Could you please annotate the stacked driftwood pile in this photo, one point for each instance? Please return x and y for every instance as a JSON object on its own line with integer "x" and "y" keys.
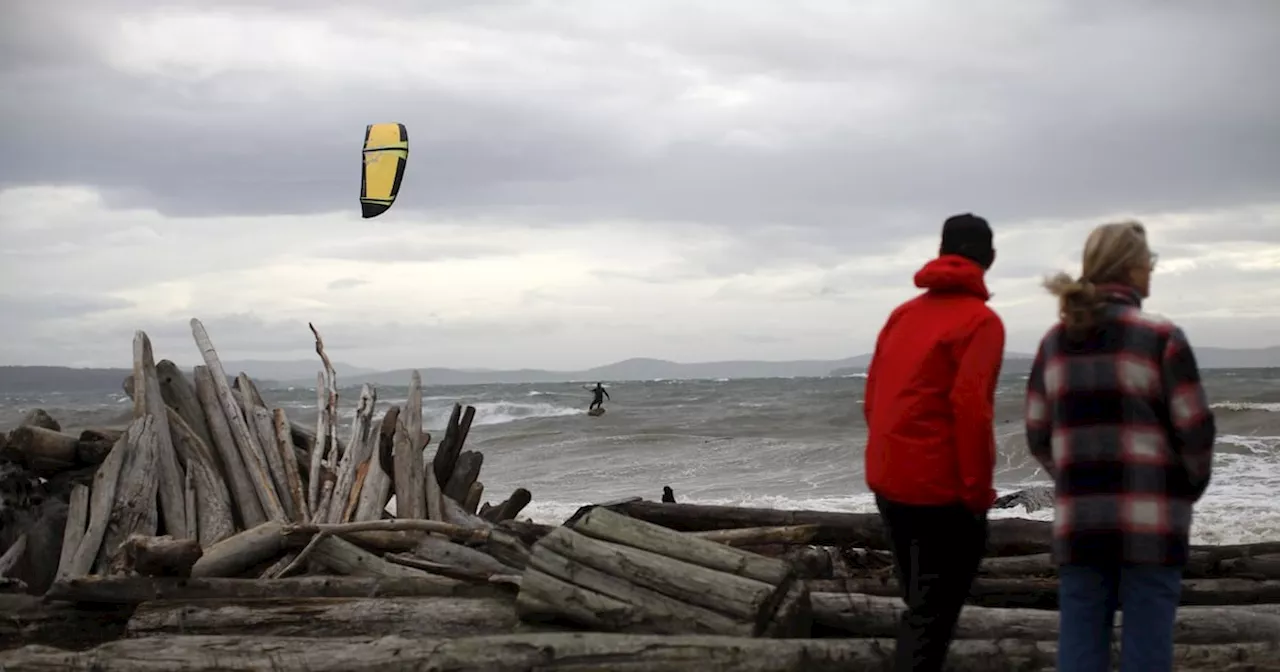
{"x": 207, "y": 481}
{"x": 210, "y": 534}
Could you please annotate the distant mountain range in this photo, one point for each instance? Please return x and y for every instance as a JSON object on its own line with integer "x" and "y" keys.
{"x": 38, "y": 379}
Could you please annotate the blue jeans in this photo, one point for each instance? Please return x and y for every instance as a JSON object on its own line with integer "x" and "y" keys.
{"x": 1087, "y": 601}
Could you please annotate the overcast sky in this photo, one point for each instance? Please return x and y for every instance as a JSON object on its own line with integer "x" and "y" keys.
{"x": 594, "y": 180}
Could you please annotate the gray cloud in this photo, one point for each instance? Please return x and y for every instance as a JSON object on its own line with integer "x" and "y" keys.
{"x": 346, "y": 283}
{"x": 26, "y": 308}
{"x": 742, "y": 173}
{"x": 1112, "y": 110}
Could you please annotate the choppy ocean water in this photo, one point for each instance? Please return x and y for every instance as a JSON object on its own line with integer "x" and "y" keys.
{"x": 792, "y": 443}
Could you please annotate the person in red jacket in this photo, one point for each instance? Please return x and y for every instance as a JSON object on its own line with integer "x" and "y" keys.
{"x": 930, "y": 452}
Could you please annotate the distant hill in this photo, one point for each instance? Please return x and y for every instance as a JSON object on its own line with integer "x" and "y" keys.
{"x": 40, "y": 379}
{"x": 19, "y": 379}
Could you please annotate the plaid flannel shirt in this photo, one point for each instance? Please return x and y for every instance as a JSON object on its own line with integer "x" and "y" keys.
{"x": 1121, "y": 422}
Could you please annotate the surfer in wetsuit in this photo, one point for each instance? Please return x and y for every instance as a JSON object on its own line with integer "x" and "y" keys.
{"x": 599, "y": 395}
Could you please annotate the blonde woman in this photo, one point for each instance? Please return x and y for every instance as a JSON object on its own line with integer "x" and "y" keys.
{"x": 1116, "y": 414}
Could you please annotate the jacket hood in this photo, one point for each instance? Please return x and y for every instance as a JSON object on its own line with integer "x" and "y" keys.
{"x": 953, "y": 273}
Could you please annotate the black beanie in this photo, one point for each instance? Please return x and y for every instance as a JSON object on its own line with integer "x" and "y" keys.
{"x": 969, "y": 236}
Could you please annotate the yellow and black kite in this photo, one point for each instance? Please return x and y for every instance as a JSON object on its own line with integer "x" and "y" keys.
{"x": 386, "y": 153}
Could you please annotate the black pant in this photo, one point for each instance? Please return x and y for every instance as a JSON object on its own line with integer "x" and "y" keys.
{"x": 936, "y": 552}
{"x": 599, "y": 401}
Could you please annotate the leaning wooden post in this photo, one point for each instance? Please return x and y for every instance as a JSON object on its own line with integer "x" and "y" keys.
{"x": 243, "y": 492}
{"x": 248, "y": 447}
{"x": 148, "y": 401}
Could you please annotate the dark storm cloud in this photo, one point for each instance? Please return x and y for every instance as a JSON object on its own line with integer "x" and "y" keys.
{"x": 1151, "y": 106}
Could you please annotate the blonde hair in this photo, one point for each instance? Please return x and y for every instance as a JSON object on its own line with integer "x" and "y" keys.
{"x": 1111, "y": 253}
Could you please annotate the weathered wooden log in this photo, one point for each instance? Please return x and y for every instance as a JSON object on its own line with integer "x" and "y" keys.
{"x": 99, "y": 434}
{"x": 329, "y": 617}
{"x": 433, "y": 496}
{"x": 445, "y": 552}
{"x": 160, "y": 556}
{"x": 259, "y": 421}
{"x": 27, "y": 619}
{"x": 606, "y": 525}
{"x": 511, "y": 507}
{"x": 454, "y": 571}
{"x": 240, "y": 485}
{"x": 474, "y": 495}
{"x": 527, "y": 531}
{"x": 73, "y": 532}
{"x": 379, "y": 483}
{"x": 32, "y": 545}
{"x": 293, "y": 489}
{"x": 44, "y": 451}
{"x": 344, "y": 557}
{"x": 254, "y": 546}
{"x": 1006, "y": 536}
{"x": 872, "y": 616}
{"x": 133, "y": 510}
{"x": 565, "y": 652}
{"x": 211, "y": 508}
{"x": 507, "y": 548}
{"x": 326, "y": 442}
{"x": 15, "y": 553}
{"x": 148, "y": 401}
{"x": 386, "y": 542}
{"x": 409, "y": 472}
{"x": 1257, "y": 567}
{"x": 38, "y": 417}
{"x": 353, "y": 499}
{"x": 809, "y": 562}
{"x": 413, "y": 417}
{"x": 669, "y": 581}
{"x": 180, "y": 394}
{"x": 450, "y": 447}
{"x": 1042, "y": 593}
{"x": 246, "y": 445}
{"x": 794, "y": 535}
{"x": 138, "y": 589}
{"x": 93, "y": 450}
{"x": 1236, "y": 560}
{"x": 465, "y": 472}
{"x": 261, "y": 544}
{"x": 102, "y": 498}
{"x": 359, "y": 449}
{"x": 555, "y": 588}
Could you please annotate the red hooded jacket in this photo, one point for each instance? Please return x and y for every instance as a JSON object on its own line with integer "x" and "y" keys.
{"x": 930, "y": 392}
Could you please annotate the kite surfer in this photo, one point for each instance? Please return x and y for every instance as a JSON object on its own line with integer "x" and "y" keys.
{"x": 599, "y": 394}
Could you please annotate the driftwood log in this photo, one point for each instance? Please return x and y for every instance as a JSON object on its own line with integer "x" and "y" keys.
{"x": 38, "y": 417}
{"x": 240, "y": 485}
{"x": 159, "y": 556}
{"x": 329, "y": 617}
{"x": 138, "y": 589}
{"x": 1042, "y": 593}
{"x": 614, "y": 573}
{"x": 551, "y": 652}
{"x": 510, "y": 507}
{"x": 132, "y": 510}
{"x": 247, "y": 445}
{"x": 42, "y": 450}
{"x": 1006, "y": 536}
{"x": 1258, "y": 561}
{"x": 149, "y": 402}
{"x": 871, "y": 616}
{"x": 27, "y": 619}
